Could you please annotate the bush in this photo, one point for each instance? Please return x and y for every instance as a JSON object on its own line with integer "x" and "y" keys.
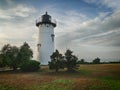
{"x": 30, "y": 65}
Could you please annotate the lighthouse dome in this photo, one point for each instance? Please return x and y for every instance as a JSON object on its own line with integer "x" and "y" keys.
{"x": 45, "y": 19}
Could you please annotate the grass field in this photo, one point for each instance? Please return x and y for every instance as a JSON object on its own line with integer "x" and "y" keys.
{"x": 89, "y": 77}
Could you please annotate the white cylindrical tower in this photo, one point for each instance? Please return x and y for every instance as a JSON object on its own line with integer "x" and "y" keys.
{"x": 46, "y": 38}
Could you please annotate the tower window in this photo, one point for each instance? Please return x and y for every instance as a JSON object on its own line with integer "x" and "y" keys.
{"x": 52, "y": 36}
{"x": 47, "y": 25}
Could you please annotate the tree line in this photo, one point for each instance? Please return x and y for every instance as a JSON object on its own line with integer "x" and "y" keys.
{"x": 95, "y": 61}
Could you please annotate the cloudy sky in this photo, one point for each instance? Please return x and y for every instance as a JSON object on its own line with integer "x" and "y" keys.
{"x": 91, "y": 28}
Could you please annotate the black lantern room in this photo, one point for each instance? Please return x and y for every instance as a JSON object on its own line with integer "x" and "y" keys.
{"x": 45, "y": 19}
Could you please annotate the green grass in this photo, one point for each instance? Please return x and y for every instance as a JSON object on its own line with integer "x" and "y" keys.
{"x": 109, "y": 78}
{"x": 112, "y": 82}
{"x": 85, "y": 72}
{"x": 63, "y": 81}
{"x": 94, "y": 87}
{"x": 106, "y": 83}
{"x": 7, "y": 88}
{"x": 60, "y": 84}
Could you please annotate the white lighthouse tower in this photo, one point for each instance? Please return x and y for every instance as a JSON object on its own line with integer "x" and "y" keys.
{"x": 45, "y": 38}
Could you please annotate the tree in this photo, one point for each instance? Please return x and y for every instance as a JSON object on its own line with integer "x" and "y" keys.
{"x": 56, "y": 61}
{"x": 82, "y": 61}
{"x": 14, "y": 62}
{"x": 25, "y": 53}
{"x": 2, "y": 64}
{"x": 14, "y": 57}
{"x": 70, "y": 60}
{"x": 30, "y": 65}
{"x": 96, "y": 60}
{"x": 10, "y": 56}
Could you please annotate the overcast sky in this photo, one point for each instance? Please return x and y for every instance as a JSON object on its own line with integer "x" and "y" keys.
{"x": 91, "y": 28}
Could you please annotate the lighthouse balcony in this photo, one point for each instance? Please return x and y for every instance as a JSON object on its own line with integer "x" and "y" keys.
{"x": 41, "y": 21}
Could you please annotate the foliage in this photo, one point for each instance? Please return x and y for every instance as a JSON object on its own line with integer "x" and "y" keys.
{"x": 25, "y": 56}
{"x": 13, "y": 57}
{"x": 96, "y": 60}
{"x": 2, "y": 63}
{"x": 10, "y": 56}
{"x": 57, "y": 61}
{"x": 25, "y": 53}
{"x": 30, "y": 65}
{"x": 115, "y": 62}
{"x": 82, "y": 61}
{"x": 70, "y": 60}
{"x": 5, "y": 54}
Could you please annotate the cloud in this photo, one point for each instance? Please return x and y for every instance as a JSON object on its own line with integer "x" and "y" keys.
{"x": 16, "y": 11}
{"x": 114, "y": 4}
{"x": 10, "y": 2}
{"x": 17, "y": 25}
{"x": 100, "y": 31}
{"x": 110, "y": 3}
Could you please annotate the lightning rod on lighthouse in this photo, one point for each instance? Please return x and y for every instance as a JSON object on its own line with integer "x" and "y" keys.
{"x": 46, "y": 35}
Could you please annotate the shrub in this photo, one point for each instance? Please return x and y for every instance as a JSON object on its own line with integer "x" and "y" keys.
{"x": 30, "y": 65}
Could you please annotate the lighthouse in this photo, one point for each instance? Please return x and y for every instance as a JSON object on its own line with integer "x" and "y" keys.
{"x": 46, "y": 36}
